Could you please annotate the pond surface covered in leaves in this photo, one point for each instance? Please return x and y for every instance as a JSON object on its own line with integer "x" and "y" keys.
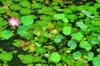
{"x": 49, "y": 32}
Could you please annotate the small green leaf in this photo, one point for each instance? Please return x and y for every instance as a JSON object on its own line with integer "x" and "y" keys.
{"x": 15, "y": 7}
{"x": 25, "y": 4}
{"x": 25, "y": 11}
{"x": 24, "y": 32}
{"x": 17, "y": 43}
{"x": 77, "y": 55}
{"x": 26, "y": 59}
{"x": 90, "y": 56}
{"x": 81, "y": 25}
{"x": 77, "y": 36}
{"x": 65, "y": 20}
{"x": 79, "y": 63}
{"x": 87, "y": 13}
{"x": 59, "y": 16}
{"x": 27, "y": 20}
{"x": 6, "y": 34}
{"x": 3, "y": 23}
{"x": 96, "y": 23}
{"x": 46, "y": 10}
{"x": 2, "y": 10}
{"x": 55, "y": 57}
{"x": 67, "y": 30}
{"x": 6, "y": 56}
{"x": 58, "y": 38}
{"x": 40, "y": 50}
{"x": 98, "y": 37}
{"x": 96, "y": 60}
{"x": 36, "y": 5}
{"x": 85, "y": 45}
{"x": 72, "y": 44}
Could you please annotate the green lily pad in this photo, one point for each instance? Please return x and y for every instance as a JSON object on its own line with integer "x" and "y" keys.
{"x": 25, "y": 3}
{"x": 17, "y": 43}
{"x": 72, "y": 44}
{"x": 58, "y": 38}
{"x": 2, "y": 10}
{"x": 55, "y": 57}
{"x": 15, "y": 7}
{"x": 40, "y": 50}
{"x": 25, "y": 11}
{"x": 6, "y": 34}
{"x": 77, "y": 55}
{"x": 96, "y": 61}
{"x": 90, "y": 56}
{"x": 77, "y": 36}
{"x": 24, "y": 32}
{"x": 81, "y": 25}
{"x": 26, "y": 59}
{"x": 85, "y": 45}
{"x": 61, "y": 17}
{"x": 67, "y": 30}
{"x": 27, "y": 20}
{"x": 6, "y": 56}
{"x": 36, "y": 5}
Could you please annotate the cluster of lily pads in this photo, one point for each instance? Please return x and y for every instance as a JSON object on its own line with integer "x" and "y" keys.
{"x": 50, "y": 33}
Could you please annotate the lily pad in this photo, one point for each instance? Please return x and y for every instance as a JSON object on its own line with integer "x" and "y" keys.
{"x": 96, "y": 61}
{"x": 6, "y": 34}
{"x": 67, "y": 30}
{"x": 6, "y": 56}
{"x": 85, "y": 45}
{"x": 77, "y": 36}
{"x": 72, "y": 44}
{"x": 27, "y": 20}
{"x": 55, "y": 57}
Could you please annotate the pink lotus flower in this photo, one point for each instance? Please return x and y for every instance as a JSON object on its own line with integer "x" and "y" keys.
{"x": 13, "y": 21}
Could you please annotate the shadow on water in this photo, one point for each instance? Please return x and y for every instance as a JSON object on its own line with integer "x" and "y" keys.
{"x": 6, "y": 45}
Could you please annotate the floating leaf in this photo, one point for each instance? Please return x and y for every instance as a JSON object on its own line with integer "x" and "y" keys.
{"x": 61, "y": 17}
{"x": 46, "y": 10}
{"x": 90, "y": 56}
{"x": 67, "y": 30}
{"x": 79, "y": 63}
{"x": 55, "y": 57}
{"x": 25, "y": 4}
{"x": 36, "y": 5}
{"x": 24, "y": 32}
{"x": 77, "y": 55}
{"x": 25, "y": 11}
{"x": 40, "y": 50}
{"x": 17, "y": 43}
{"x": 27, "y": 20}
{"x": 2, "y": 10}
{"x": 85, "y": 45}
{"x": 6, "y": 34}
{"x": 26, "y": 59}
{"x": 72, "y": 44}
{"x": 15, "y": 7}
{"x": 77, "y": 36}
{"x": 65, "y": 20}
{"x": 87, "y": 13}
{"x": 81, "y": 25}
{"x": 6, "y": 56}
{"x": 58, "y": 38}
{"x": 96, "y": 60}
